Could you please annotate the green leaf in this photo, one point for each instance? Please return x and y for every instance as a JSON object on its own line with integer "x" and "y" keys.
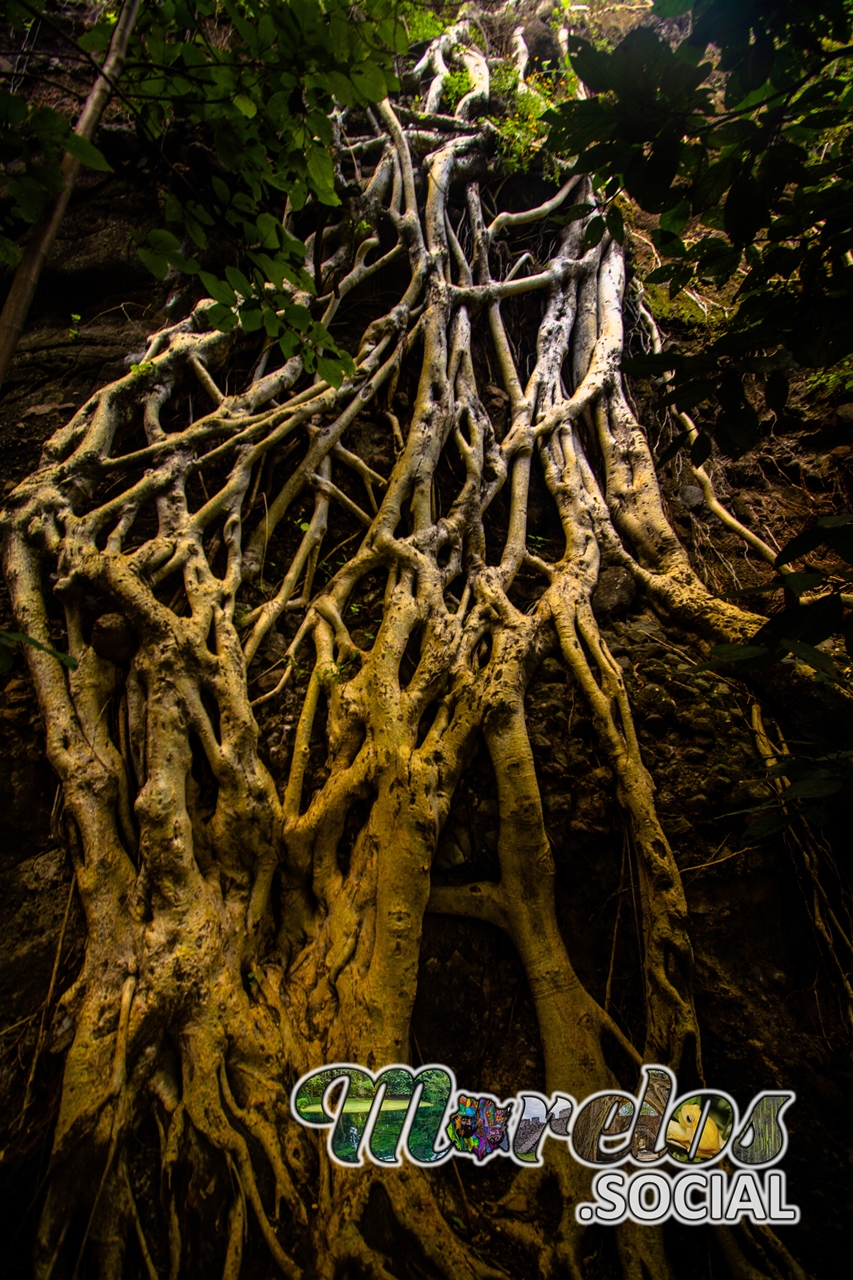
{"x": 616, "y": 223}
{"x": 218, "y": 289}
{"x": 671, "y": 8}
{"x": 572, "y": 214}
{"x": 9, "y": 252}
{"x": 701, "y": 449}
{"x": 83, "y": 150}
{"x": 297, "y": 316}
{"x": 321, "y": 173}
{"x": 269, "y": 231}
{"x": 737, "y": 652}
{"x": 593, "y": 234}
{"x": 96, "y": 39}
{"x": 162, "y": 241}
{"x": 799, "y": 582}
{"x": 155, "y": 262}
{"x": 675, "y": 220}
{"x": 813, "y": 788}
{"x": 342, "y": 88}
{"x": 238, "y": 281}
{"x": 18, "y": 637}
{"x": 768, "y": 825}
{"x": 221, "y": 189}
{"x": 289, "y": 344}
{"x": 330, "y": 371}
{"x": 808, "y": 623}
{"x": 251, "y": 319}
{"x": 811, "y": 656}
{"x": 835, "y": 522}
{"x": 369, "y": 81}
{"x": 799, "y": 546}
{"x": 673, "y": 448}
{"x": 222, "y": 318}
{"x": 245, "y": 105}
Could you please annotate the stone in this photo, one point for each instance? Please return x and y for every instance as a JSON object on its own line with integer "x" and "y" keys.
{"x": 655, "y": 702}
{"x": 691, "y": 497}
{"x": 114, "y": 638}
{"x": 542, "y": 45}
{"x": 449, "y": 855}
{"x": 615, "y": 592}
{"x": 741, "y": 508}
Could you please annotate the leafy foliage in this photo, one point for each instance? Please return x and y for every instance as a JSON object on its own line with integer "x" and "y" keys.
{"x": 804, "y": 781}
{"x": 425, "y": 21}
{"x": 33, "y": 139}
{"x": 803, "y": 623}
{"x": 246, "y": 91}
{"x": 739, "y": 137}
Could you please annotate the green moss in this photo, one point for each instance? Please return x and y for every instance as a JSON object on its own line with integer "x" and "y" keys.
{"x": 521, "y": 130}
{"x": 457, "y": 84}
{"x": 503, "y": 81}
{"x": 681, "y": 308}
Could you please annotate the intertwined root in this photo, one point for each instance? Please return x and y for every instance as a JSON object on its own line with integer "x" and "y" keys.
{"x": 232, "y": 946}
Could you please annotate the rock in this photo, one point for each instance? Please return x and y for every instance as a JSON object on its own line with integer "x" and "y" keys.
{"x": 542, "y": 44}
{"x": 615, "y": 592}
{"x": 654, "y": 703}
{"x": 558, "y": 804}
{"x": 114, "y": 638}
{"x": 644, "y": 627}
{"x": 691, "y": 497}
{"x": 449, "y": 855}
{"x": 741, "y": 508}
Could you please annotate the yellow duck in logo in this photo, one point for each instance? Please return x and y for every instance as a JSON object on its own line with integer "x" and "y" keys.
{"x": 682, "y": 1132}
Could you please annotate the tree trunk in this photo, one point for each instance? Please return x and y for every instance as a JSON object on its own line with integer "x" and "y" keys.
{"x": 244, "y": 929}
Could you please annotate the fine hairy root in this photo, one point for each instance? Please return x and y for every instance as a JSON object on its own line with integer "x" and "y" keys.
{"x": 241, "y": 933}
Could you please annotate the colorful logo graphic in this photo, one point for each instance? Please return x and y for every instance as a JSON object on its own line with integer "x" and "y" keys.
{"x": 421, "y": 1113}
{"x": 479, "y": 1126}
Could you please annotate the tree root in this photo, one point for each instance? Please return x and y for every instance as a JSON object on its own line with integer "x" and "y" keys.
{"x": 241, "y": 934}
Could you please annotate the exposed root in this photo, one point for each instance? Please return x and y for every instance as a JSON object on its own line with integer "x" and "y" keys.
{"x": 234, "y": 940}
